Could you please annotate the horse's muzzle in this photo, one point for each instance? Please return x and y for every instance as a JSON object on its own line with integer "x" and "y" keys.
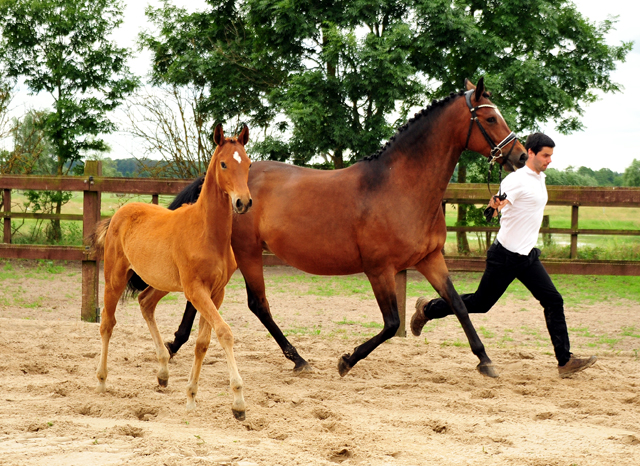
{"x": 241, "y": 206}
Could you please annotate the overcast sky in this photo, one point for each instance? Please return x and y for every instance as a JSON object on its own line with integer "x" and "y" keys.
{"x": 612, "y": 124}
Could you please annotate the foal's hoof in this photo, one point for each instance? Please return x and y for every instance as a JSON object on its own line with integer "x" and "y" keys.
{"x": 163, "y": 382}
{"x": 239, "y": 415}
{"x": 487, "y": 369}
{"x": 343, "y": 366}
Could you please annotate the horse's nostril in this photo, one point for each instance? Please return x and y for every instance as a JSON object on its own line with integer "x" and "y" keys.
{"x": 250, "y": 202}
{"x": 239, "y": 204}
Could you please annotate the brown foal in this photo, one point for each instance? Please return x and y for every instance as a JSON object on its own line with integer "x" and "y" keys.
{"x": 188, "y": 250}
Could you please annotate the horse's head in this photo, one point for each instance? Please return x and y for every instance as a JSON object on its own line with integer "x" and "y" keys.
{"x": 232, "y": 168}
{"x": 490, "y": 135}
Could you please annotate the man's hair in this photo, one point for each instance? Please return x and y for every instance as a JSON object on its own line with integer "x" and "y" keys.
{"x": 537, "y": 141}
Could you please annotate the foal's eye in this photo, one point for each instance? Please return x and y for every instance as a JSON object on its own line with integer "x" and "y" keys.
{"x": 223, "y": 165}
{"x": 491, "y": 120}
{"x": 250, "y": 165}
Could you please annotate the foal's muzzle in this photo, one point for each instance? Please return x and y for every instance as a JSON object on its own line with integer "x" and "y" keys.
{"x": 241, "y": 206}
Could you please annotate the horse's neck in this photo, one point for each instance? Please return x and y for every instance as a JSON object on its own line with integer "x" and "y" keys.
{"x": 430, "y": 155}
{"x": 216, "y": 211}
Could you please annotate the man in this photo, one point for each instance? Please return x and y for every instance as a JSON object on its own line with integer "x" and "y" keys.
{"x": 514, "y": 255}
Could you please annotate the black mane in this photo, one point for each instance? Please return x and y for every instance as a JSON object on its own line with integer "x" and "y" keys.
{"x": 425, "y": 112}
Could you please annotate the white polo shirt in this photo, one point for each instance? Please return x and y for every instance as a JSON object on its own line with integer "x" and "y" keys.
{"x": 522, "y": 217}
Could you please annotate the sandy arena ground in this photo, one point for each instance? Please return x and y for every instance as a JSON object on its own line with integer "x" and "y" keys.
{"x": 414, "y": 401}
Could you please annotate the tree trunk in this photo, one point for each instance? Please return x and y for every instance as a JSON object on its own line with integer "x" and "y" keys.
{"x": 338, "y": 162}
{"x": 461, "y": 236}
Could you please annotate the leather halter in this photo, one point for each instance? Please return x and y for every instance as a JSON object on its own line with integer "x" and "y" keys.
{"x": 496, "y": 149}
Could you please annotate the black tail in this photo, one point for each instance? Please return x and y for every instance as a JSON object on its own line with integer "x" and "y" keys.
{"x": 188, "y": 195}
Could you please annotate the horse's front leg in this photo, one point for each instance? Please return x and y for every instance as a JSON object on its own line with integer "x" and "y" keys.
{"x": 384, "y": 289}
{"x": 148, "y": 300}
{"x": 209, "y": 311}
{"x": 434, "y": 268}
{"x": 184, "y": 330}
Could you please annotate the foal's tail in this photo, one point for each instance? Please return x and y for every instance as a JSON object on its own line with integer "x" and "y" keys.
{"x": 97, "y": 238}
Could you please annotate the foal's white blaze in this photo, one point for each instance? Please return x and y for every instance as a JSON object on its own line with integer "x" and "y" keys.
{"x": 237, "y": 157}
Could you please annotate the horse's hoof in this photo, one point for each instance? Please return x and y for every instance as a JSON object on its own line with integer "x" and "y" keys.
{"x": 343, "y": 366}
{"x": 487, "y": 369}
{"x": 168, "y": 346}
{"x": 191, "y": 405}
{"x": 304, "y": 368}
{"x": 101, "y": 388}
{"x": 239, "y": 415}
{"x": 163, "y": 382}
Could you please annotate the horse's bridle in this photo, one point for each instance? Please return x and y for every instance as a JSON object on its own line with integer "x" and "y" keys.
{"x": 496, "y": 149}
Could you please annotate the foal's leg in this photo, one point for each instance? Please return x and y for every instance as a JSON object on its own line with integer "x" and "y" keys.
{"x": 434, "y": 268}
{"x": 202, "y": 345}
{"x": 252, "y": 272}
{"x": 209, "y": 311}
{"x": 384, "y": 289}
{"x": 148, "y": 300}
{"x": 115, "y": 277}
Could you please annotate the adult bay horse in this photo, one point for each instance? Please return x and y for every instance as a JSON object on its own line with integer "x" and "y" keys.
{"x": 378, "y": 216}
{"x": 187, "y": 250}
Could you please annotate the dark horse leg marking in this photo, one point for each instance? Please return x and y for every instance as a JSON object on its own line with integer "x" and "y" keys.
{"x": 384, "y": 289}
{"x": 184, "y": 331}
{"x": 434, "y": 268}
{"x": 259, "y": 305}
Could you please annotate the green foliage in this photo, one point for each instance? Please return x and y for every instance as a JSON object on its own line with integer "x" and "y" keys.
{"x": 328, "y": 79}
{"x": 631, "y": 176}
{"x": 62, "y": 47}
{"x": 570, "y": 177}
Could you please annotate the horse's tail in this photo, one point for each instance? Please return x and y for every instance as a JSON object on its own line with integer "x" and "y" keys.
{"x": 188, "y": 195}
{"x": 98, "y": 237}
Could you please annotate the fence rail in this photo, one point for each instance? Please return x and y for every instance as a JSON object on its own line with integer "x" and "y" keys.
{"x": 93, "y": 185}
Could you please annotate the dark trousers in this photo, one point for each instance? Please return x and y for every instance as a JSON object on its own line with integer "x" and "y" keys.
{"x": 502, "y": 268}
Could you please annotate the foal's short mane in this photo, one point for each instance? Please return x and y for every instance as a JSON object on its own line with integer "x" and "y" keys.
{"x": 426, "y": 112}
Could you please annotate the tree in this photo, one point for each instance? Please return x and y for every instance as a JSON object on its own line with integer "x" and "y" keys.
{"x": 631, "y": 176}
{"x": 62, "y": 47}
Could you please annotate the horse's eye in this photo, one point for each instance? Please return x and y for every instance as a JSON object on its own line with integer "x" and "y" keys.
{"x": 250, "y": 165}
{"x": 223, "y": 165}
{"x": 491, "y": 120}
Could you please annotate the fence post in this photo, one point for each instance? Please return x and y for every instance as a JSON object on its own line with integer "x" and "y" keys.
{"x": 154, "y": 199}
{"x": 6, "y": 199}
{"x": 546, "y": 237}
{"x": 90, "y": 266}
{"x": 401, "y": 297}
{"x": 574, "y": 234}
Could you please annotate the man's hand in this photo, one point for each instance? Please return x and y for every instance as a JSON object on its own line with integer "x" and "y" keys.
{"x": 496, "y": 203}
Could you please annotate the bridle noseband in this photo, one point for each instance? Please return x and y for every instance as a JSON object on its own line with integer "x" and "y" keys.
{"x": 496, "y": 149}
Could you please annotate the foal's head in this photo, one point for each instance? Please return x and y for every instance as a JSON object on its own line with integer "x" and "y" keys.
{"x": 230, "y": 164}
{"x": 489, "y": 133}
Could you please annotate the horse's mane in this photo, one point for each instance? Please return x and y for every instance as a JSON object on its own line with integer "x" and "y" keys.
{"x": 426, "y": 112}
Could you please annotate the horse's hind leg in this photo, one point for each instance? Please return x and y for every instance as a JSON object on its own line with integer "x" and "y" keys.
{"x": 184, "y": 330}
{"x": 434, "y": 268}
{"x": 209, "y": 311}
{"x": 148, "y": 300}
{"x": 384, "y": 289}
{"x": 115, "y": 275}
{"x": 257, "y": 301}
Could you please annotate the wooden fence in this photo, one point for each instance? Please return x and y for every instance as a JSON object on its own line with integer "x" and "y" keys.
{"x": 92, "y": 184}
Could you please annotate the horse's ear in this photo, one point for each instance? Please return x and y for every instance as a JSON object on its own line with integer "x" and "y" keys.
{"x": 480, "y": 89}
{"x": 218, "y": 135}
{"x": 243, "y": 137}
{"x": 468, "y": 84}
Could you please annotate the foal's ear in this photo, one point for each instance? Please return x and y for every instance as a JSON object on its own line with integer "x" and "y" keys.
{"x": 480, "y": 89}
{"x": 468, "y": 85}
{"x": 243, "y": 137}
{"x": 218, "y": 135}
